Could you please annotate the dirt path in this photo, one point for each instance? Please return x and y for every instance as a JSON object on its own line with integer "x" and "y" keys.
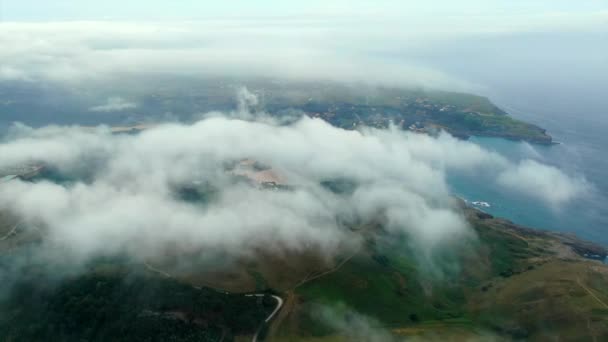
{"x": 10, "y": 233}
{"x": 512, "y": 233}
{"x": 156, "y": 270}
{"x": 310, "y": 277}
{"x": 288, "y": 306}
{"x": 266, "y": 321}
{"x": 290, "y": 301}
{"x": 591, "y": 293}
{"x": 167, "y": 275}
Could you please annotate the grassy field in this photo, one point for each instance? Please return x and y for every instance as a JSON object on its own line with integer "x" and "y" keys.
{"x": 511, "y": 285}
{"x": 507, "y": 283}
{"x": 111, "y": 303}
{"x": 565, "y": 298}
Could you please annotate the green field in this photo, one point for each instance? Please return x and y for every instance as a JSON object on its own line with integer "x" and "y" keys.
{"x": 507, "y": 283}
{"x": 510, "y": 286}
{"x": 113, "y": 303}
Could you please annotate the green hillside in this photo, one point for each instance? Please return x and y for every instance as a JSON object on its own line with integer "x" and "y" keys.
{"x": 509, "y": 283}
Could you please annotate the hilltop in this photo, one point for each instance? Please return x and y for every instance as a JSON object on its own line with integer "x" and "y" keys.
{"x": 346, "y": 106}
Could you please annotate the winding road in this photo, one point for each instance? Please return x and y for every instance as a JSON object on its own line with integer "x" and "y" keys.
{"x": 266, "y": 321}
{"x": 10, "y": 233}
{"x": 270, "y": 317}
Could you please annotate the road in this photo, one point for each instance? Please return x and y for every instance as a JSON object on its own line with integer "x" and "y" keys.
{"x": 10, "y": 233}
{"x": 156, "y": 270}
{"x": 270, "y": 317}
{"x": 591, "y": 293}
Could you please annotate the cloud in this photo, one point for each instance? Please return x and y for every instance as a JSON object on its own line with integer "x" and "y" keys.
{"x": 69, "y": 52}
{"x": 543, "y": 182}
{"x": 114, "y": 104}
{"x": 246, "y": 100}
{"x": 388, "y": 48}
{"x": 124, "y": 199}
{"x": 353, "y": 325}
{"x": 123, "y": 196}
{"x": 130, "y": 175}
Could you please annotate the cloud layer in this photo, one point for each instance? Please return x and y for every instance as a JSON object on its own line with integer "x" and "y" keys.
{"x": 124, "y": 198}
{"x": 114, "y": 104}
{"x": 97, "y": 51}
{"x": 543, "y": 182}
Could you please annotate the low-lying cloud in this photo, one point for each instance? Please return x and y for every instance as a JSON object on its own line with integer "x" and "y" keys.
{"x": 76, "y": 52}
{"x": 123, "y": 198}
{"x": 350, "y": 45}
{"x": 114, "y": 104}
{"x": 543, "y": 182}
{"x": 353, "y": 325}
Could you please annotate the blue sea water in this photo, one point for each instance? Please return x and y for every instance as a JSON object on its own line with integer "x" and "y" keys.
{"x": 582, "y": 152}
{"x": 556, "y": 79}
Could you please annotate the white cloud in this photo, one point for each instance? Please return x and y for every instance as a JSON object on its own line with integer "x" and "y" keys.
{"x": 383, "y": 48}
{"x": 128, "y": 202}
{"x": 114, "y": 104}
{"x": 80, "y": 51}
{"x": 543, "y": 182}
{"x": 353, "y": 325}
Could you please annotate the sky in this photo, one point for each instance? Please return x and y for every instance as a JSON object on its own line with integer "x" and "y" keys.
{"x": 390, "y": 41}
{"x": 34, "y": 10}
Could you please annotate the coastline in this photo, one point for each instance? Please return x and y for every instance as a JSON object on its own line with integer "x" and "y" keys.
{"x": 584, "y": 248}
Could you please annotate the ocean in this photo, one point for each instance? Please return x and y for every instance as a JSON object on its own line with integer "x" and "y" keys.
{"x": 581, "y": 151}
{"x": 556, "y": 80}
